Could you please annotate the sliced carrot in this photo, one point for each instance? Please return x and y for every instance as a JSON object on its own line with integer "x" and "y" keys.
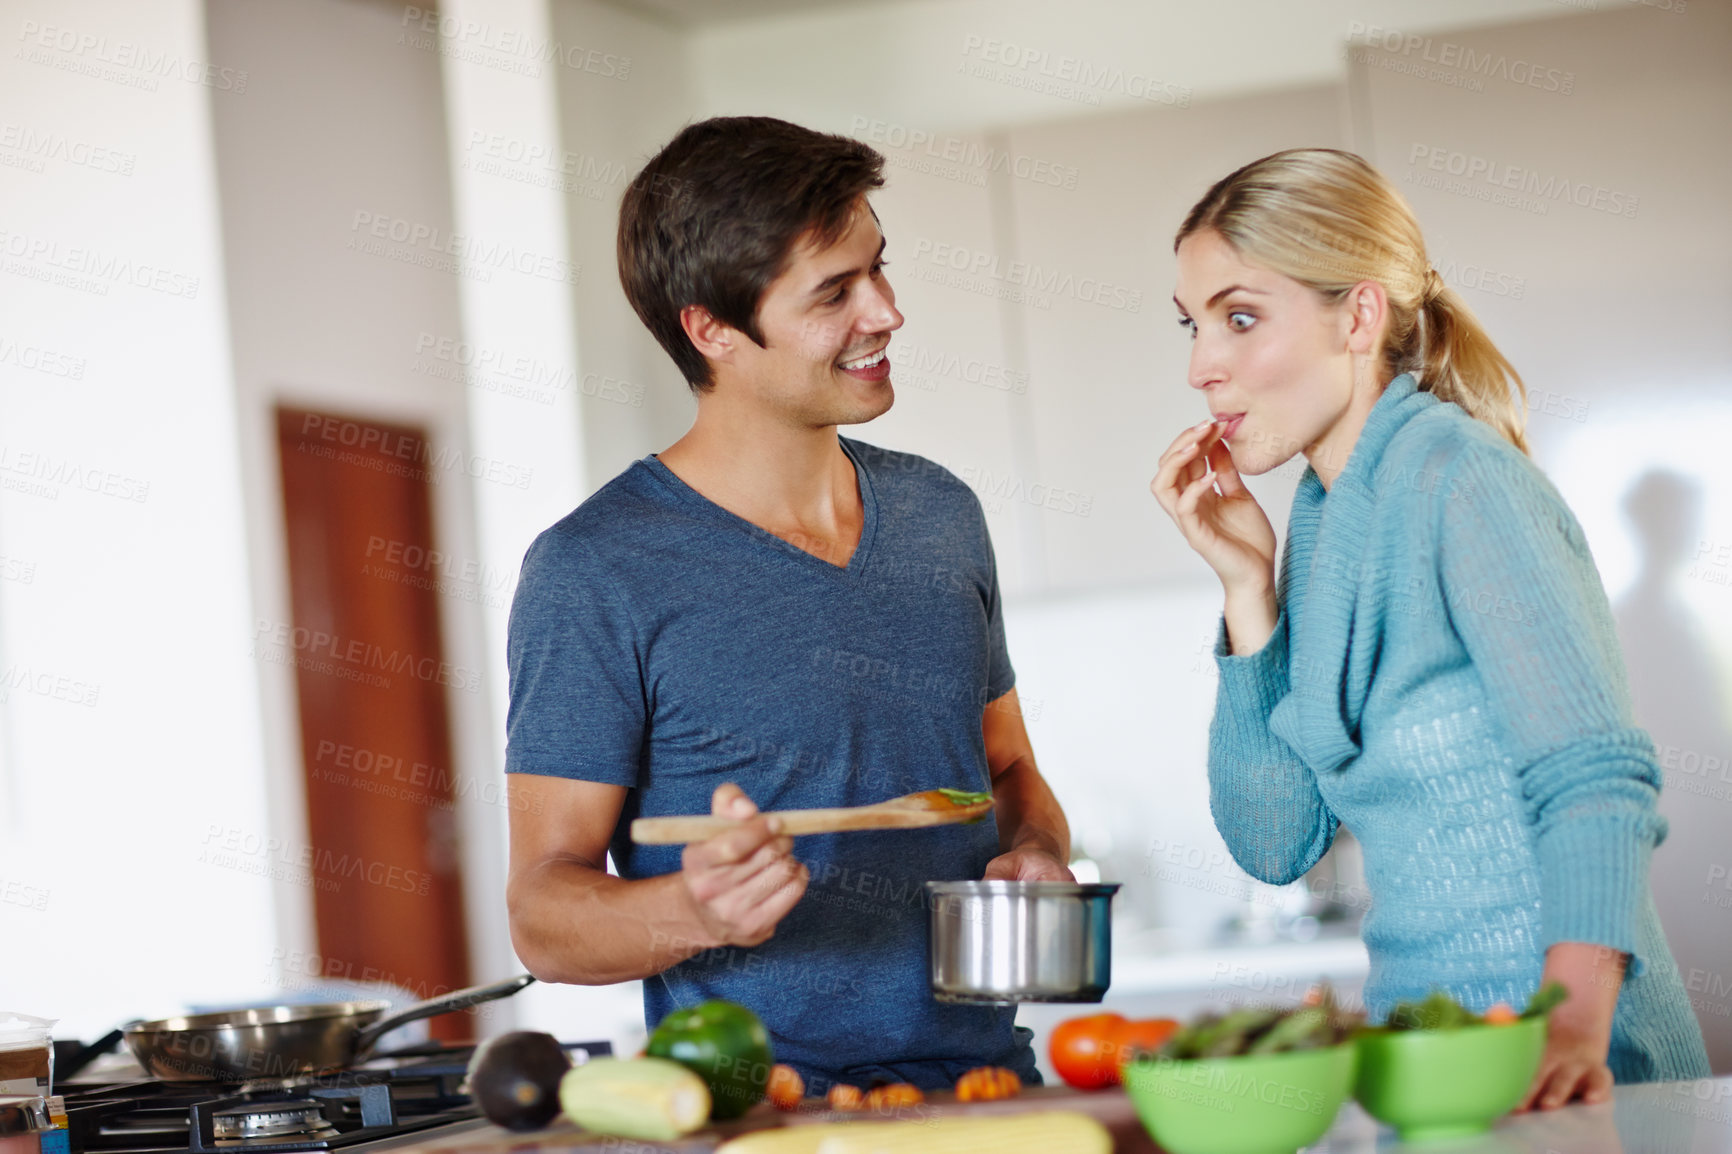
{"x": 893, "y": 1096}
{"x": 1501, "y": 1015}
{"x": 845, "y": 1097}
{"x": 988, "y": 1084}
{"x": 786, "y": 1089}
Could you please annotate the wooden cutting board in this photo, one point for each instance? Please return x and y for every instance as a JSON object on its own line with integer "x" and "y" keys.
{"x": 1111, "y": 1108}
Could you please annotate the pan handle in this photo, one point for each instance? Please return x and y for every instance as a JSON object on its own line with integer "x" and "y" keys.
{"x": 366, "y": 1039}
{"x": 89, "y": 1054}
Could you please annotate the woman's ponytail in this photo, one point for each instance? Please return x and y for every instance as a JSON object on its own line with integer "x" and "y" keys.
{"x": 1458, "y": 362}
{"x": 1329, "y": 220}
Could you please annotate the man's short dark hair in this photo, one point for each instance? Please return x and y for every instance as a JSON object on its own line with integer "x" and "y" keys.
{"x": 714, "y": 217}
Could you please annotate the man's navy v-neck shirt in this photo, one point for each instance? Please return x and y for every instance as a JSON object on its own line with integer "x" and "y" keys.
{"x": 660, "y": 642}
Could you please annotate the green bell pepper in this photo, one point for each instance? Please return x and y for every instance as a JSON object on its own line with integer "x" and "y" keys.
{"x": 724, "y": 1044}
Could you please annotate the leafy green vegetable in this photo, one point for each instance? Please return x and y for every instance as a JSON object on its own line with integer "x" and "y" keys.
{"x": 1300, "y": 1030}
{"x": 1263, "y": 1030}
{"x": 964, "y": 797}
{"x": 1234, "y": 1032}
{"x": 1545, "y": 999}
{"x": 1438, "y": 1011}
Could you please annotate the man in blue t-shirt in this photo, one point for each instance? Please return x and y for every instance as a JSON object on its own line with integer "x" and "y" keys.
{"x": 769, "y": 616}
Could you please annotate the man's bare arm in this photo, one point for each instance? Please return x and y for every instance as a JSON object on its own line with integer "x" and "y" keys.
{"x": 1033, "y": 835}
{"x": 573, "y": 922}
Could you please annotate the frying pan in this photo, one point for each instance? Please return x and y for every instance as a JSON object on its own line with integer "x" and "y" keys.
{"x": 285, "y": 1041}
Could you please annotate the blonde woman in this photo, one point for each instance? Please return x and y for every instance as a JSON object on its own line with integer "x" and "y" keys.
{"x": 1435, "y": 666}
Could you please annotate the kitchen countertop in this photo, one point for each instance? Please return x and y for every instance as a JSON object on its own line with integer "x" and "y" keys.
{"x": 1657, "y": 1118}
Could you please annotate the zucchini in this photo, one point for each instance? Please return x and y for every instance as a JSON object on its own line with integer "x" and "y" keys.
{"x": 649, "y": 1098}
{"x": 1038, "y": 1132}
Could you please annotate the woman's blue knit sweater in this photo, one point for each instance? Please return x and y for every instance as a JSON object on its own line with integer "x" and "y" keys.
{"x": 1444, "y": 680}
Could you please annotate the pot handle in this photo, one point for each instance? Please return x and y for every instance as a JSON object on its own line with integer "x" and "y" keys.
{"x": 369, "y": 1037}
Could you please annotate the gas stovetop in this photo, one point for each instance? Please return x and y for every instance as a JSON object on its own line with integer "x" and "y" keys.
{"x": 402, "y": 1094}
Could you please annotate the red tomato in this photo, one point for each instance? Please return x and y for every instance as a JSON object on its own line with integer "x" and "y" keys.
{"x": 1139, "y": 1036}
{"x": 1083, "y": 1050}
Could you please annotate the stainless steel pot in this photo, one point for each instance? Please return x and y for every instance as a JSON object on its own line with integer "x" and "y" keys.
{"x": 284, "y": 1041}
{"x": 1003, "y": 942}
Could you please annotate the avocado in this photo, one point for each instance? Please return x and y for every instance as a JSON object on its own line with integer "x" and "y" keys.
{"x": 514, "y": 1078}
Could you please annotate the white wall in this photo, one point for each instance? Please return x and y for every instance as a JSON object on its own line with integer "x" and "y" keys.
{"x": 633, "y": 399}
{"x": 502, "y": 66}
{"x": 341, "y": 129}
{"x": 131, "y": 744}
{"x": 1108, "y": 388}
{"x": 1118, "y": 740}
{"x": 977, "y": 65}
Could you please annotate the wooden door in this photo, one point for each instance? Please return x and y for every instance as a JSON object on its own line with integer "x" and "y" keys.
{"x": 364, "y": 579}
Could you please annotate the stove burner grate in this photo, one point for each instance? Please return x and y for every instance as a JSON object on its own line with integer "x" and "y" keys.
{"x": 339, "y": 1113}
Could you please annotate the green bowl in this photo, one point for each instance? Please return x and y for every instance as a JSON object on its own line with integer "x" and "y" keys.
{"x": 1270, "y": 1104}
{"x": 1447, "y": 1083}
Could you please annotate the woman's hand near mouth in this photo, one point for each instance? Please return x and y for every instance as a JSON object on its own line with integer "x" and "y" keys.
{"x": 1201, "y": 490}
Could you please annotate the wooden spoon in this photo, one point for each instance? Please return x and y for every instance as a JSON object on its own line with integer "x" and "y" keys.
{"x": 911, "y": 811}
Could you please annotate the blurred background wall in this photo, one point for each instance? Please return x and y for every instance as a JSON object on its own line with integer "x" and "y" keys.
{"x": 400, "y": 215}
